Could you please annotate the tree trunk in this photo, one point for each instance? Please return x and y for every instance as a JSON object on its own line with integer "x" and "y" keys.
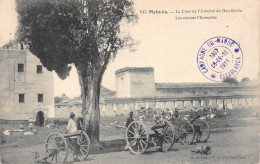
{"x": 90, "y": 92}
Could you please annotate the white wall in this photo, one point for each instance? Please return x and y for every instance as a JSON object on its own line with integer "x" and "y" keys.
{"x": 123, "y": 84}
{"x": 142, "y": 84}
{"x": 13, "y": 83}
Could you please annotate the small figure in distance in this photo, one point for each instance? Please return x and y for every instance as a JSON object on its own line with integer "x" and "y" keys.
{"x": 130, "y": 119}
{"x": 176, "y": 113}
{"x": 30, "y": 121}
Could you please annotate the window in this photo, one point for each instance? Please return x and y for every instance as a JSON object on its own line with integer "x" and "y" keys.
{"x": 21, "y": 98}
{"x": 40, "y": 97}
{"x": 39, "y": 68}
{"x": 20, "y": 67}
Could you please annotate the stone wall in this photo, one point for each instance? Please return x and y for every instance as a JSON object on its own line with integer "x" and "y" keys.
{"x": 29, "y": 82}
{"x": 64, "y": 111}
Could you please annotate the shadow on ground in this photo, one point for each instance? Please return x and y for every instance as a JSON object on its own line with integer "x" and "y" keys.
{"x": 110, "y": 146}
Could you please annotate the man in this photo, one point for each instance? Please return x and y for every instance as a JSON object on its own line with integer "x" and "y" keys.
{"x": 30, "y": 121}
{"x": 130, "y": 119}
{"x": 176, "y": 113}
{"x": 168, "y": 114}
{"x": 158, "y": 124}
{"x": 72, "y": 126}
{"x": 158, "y": 120}
{"x": 80, "y": 124}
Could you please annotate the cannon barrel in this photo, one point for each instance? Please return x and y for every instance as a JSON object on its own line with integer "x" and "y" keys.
{"x": 72, "y": 134}
{"x": 198, "y": 116}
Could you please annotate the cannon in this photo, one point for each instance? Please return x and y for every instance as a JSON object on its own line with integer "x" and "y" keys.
{"x": 58, "y": 146}
{"x": 139, "y": 136}
{"x": 195, "y": 129}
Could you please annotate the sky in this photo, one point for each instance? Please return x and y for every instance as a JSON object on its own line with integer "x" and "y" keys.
{"x": 167, "y": 44}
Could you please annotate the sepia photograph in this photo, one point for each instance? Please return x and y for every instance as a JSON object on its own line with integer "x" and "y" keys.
{"x": 129, "y": 81}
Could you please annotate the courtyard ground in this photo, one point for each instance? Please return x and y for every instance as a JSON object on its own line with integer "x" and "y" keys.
{"x": 234, "y": 139}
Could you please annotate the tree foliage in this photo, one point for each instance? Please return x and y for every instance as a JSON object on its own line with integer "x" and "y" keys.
{"x": 230, "y": 80}
{"x": 62, "y": 32}
{"x": 85, "y": 33}
{"x": 245, "y": 79}
{"x": 58, "y": 99}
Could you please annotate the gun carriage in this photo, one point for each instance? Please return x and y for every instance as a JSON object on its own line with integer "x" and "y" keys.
{"x": 58, "y": 146}
{"x": 140, "y": 135}
{"x": 195, "y": 129}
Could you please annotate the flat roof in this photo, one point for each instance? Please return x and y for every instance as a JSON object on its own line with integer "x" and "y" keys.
{"x": 252, "y": 83}
{"x": 135, "y": 69}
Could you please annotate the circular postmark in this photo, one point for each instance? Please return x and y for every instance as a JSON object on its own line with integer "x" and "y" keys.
{"x": 220, "y": 57}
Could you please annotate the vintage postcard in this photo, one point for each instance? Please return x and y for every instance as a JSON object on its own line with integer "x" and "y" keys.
{"x": 129, "y": 81}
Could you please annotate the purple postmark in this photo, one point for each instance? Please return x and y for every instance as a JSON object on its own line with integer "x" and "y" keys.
{"x": 220, "y": 57}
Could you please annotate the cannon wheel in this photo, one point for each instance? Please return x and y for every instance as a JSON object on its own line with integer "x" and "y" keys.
{"x": 57, "y": 148}
{"x": 186, "y": 132}
{"x": 202, "y": 131}
{"x": 167, "y": 135}
{"x": 80, "y": 149}
{"x": 137, "y": 137}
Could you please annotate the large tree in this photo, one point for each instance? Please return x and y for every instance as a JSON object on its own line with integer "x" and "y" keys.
{"x": 245, "y": 79}
{"x": 230, "y": 80}
{"x": 85, "y": 33}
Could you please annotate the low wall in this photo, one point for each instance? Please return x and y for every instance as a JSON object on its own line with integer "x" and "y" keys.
{"x": 64, "y": 112}
{"x": 3, "y": 121}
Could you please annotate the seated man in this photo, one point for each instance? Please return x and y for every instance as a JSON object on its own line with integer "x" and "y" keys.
{"x": 72, "y": 128}
{"x": 158, "y": 122}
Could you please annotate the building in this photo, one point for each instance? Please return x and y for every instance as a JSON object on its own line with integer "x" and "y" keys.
{"x": 134, "y": 82}
{"x": 136, "y": 89}
{"x": 64, "y": 107}
{"x": 26, "y": 87}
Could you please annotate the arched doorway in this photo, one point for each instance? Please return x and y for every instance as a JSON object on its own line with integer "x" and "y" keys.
{"x": 40, "y": 119}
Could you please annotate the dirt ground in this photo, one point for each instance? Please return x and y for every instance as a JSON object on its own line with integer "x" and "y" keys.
{"x": 234, "y": 139}
{"x": 241, "y": 145}
{"x": 237, "y": 145}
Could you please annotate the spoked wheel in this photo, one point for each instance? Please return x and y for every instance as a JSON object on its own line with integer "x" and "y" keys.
{"x": 167, "y": 135}
{"x": 137, "y": 137}
{"x": 202, "y": 131}
{"x": 80, "y": 146}
{"x": 57, "y": 148}
{"x": 186, "y": 132}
